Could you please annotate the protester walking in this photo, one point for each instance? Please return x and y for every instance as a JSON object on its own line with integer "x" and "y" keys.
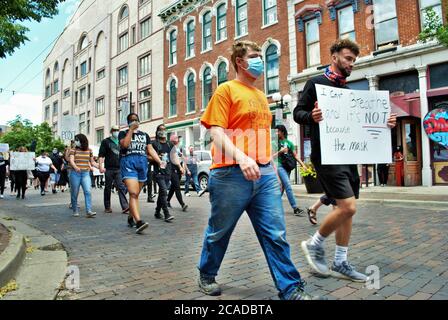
{"x": 176, "y": 173}
{"x": 191, "y": 160}
{"x": 43, "y": 167}
{"x": 55, "y": 175}
{"x": 21, "y": 178}
{"x": 4, "y": 172}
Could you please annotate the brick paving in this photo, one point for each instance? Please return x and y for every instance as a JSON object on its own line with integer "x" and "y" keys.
{"x": 407, "y": 244}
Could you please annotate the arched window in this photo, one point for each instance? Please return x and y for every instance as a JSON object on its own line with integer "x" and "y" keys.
{"x": 83, "y": 43}
{"x": 56, "y": 68}
{"x": 207, "y": 86}
{"x": 173, "y": 47}
{"x": 191, "y": 89}
{"x": 222, "y": 73}
{"x": 241, "y": 17}
{"x": 124, "y": 13}
{"x": 272, "y": 70}
{"x": 190, "y": 39}
{"x": 221, "y": 22}
{"x": 207, "y": 31}
{"x": 173, "y": 98}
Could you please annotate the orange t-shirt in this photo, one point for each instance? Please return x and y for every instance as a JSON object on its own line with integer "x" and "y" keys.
{"x": 243, "y": 111}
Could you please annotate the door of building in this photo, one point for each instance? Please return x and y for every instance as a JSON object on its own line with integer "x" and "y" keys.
{"x": 411, "y": 142}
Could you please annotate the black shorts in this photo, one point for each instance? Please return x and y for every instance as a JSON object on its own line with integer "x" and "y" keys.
{"x": 339, "y": 181}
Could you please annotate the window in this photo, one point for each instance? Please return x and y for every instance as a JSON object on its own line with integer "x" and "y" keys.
{"x": 430, "y": 4}
{"x": 123, "y": 76}
{"x": 55, "y": 127}
{"x": 207, "y": 31}
{"x": 47, "y": 91}
{"x": 55, "y": 108}
{"x": 90, "y": 64}
{"x": 99, "y": 107}
{"x": 82, "y": 95}
{"x": 272, "y": 70}
{"x": 83, "y": 69}
{"x": 144, "y": 94}
{"x": 173, "y": 47}
{"x": 207, "y": 87}
{"x": 312, "y": 43}
{"x": 133, "y": 35}
{"x": 221, "y": 22}
{"x": 145, "y": 65}
{"x": 76, "y": 73}
{"x": 191, "y": 90}
{"x": 66, "y": 93}
{"x": 269, "y": 12}
{"x": 386, "y": 22}
{"x": 173, "y": 98}
{"x": 76, "y": 97}
{"x": 346, "y": 23}
{"x": 222, "y": 73}
{"x": 47, "y": 112}
{"x": 145, "y": 110}
{"x": 88, "y": 126}
{"x": 124, "y": 13}
{"x": 190, "y": 39}
{"x": 99, "y": 136}
{"x": 82, "y": 123}
{"x": 241, "y": 17}
{"x": 83, "y": 43}
{"x": 123, "y": 42}
{"x": 89, "y": 89}
{"x": 145, "y": 28}
{"x": 56, "y": 86}
{"x": 101, "y": 74}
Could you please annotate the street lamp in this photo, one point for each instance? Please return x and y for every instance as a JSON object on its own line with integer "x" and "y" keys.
{"x": 281, "y": 103}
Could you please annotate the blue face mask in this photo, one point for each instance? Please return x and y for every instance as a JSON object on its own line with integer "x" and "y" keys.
{"x": 256, "y": 66}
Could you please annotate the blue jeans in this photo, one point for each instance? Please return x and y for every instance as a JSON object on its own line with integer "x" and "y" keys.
{"x": 284, "y": 177}
{"x": 230, "y": 195}
{"x": 194, "y": 177}
{"x": 78, "y": 179}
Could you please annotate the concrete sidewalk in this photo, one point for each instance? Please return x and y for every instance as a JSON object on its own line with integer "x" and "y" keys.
{"x": 420, "y": 196}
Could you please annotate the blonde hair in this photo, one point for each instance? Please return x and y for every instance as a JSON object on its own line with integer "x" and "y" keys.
{"x": 239, "y": 50}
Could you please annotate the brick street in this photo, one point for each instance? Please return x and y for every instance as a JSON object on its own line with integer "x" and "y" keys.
{"x": 409, "y": 246}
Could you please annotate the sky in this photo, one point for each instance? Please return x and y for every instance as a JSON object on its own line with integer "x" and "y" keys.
{"x": 27, "y": 100}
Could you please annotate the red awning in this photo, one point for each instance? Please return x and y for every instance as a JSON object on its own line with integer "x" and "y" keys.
{"x": 406, "y": 105}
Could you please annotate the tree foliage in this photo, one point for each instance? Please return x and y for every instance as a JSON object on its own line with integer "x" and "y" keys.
{"x": 24, "y": 134}
{"x": 12, "y": 33}
{"x": 433, "y": 28}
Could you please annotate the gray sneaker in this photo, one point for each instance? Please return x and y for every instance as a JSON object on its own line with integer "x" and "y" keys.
{"x": 348, "y": 272}
{"x": 300, "y": 294}
{"x": 315, "y": 256}
{"x": 90, "y": 214}
{"x": 208, "y": 285}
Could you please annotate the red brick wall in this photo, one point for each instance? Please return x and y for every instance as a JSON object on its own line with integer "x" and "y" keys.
{"x": 277, "y": 32}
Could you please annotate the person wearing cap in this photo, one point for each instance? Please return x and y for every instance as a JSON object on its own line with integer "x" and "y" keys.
{"x": 109, "y": 160}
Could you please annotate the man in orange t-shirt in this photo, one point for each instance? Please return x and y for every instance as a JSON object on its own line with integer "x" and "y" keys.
{"x": 242, "y": 177}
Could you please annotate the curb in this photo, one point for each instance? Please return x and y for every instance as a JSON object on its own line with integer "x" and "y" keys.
{"x": 12, "y": 257}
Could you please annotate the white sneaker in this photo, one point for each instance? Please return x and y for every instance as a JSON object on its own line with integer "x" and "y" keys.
{"x": 187, "y": 194}
{"x": 90, "y": 214}
{"x": 76, "y": 214}
{"x": 1, "y": 196}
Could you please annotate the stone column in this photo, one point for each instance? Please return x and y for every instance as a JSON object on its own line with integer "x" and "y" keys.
{"x": 426, "y": 159}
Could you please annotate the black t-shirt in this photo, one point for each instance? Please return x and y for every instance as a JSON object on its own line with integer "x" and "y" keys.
{"x": 138, "y": 145}
{"x": 302, "y": 112}
{"x": 57, "y": 162}
{"x": 110, "y": 151}
{"x": 163, "y": 150}
{"x": 3, "y": 164}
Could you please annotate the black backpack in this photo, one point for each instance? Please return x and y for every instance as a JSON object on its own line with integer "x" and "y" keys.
{"x": 288, "y": 161}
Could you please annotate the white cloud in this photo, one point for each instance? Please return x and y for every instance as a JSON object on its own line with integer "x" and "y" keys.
{"x": 27, "y": 105}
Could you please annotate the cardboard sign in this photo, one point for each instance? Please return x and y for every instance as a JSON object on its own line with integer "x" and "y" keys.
{"x": 4, "y": 147}
{"x": 22, "y": 161}
{"x": 354, "y": 128}
{"x": 436, "y": 126}
{"x": 69, "y": 128}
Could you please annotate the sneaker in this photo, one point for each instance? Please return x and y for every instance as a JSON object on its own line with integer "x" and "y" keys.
{"x": 2, "y": 197}
{"x": 300, "y": 294}
{"x": 108, "y": 210}
{"x": 90, "y": 214}
{"x": 158, "y": 215}
{"x": 150, "y": 199}
{"x": 188, "y": 194}
{"x": 315, "y": 257}
{"x": 42, "y": 193}
{"x": 131, "y": 223}
{"x": 54, "y": 191}
{"x": 298, "y": 212}
{"x": 154, "y": 195}
{"x": 208, "y": 285}
{"x": 348, "y": 272}
{"x": 201, "y": 193}
{"x": 141, "y": 225}
{"x": 168, "y": 217}
{"x": 184, "y": 207}
{"x": 76, "y": 214}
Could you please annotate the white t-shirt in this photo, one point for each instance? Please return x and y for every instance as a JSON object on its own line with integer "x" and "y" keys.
{"x": 43, "y": 164}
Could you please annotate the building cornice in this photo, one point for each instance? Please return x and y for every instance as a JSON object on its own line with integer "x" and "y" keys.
{"x": 179, "y": 9}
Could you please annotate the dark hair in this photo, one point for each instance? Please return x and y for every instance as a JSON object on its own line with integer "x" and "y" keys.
{"x": 282, "y": 129}
{"x": 158, "y": 128}
{"x": 84, "y": 141}
{"x": 341, "y": 44}
{"x": 132, "y": 114}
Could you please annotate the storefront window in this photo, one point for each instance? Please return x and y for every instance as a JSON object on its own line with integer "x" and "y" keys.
{"x": 411, "y": 142}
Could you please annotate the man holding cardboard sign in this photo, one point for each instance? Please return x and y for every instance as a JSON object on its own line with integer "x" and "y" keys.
{"x": 340, "y": 180}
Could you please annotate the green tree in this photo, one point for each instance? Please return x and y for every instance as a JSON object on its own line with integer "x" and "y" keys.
{"x": 24, "y": 134}
{"x": 12, "y": 33}
{"x": 433, "y": 28}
